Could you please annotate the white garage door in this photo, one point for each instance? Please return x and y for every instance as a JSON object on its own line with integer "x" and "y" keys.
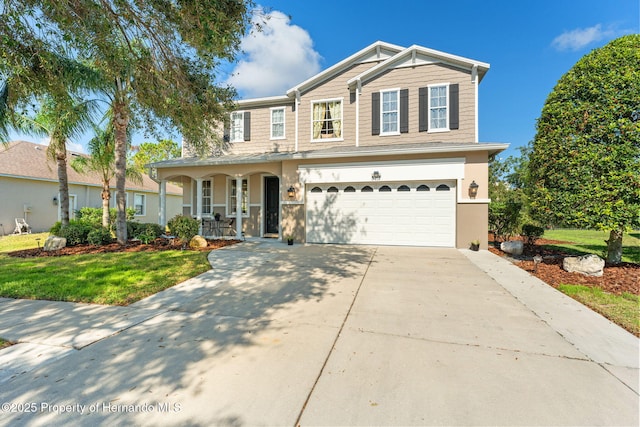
{"x": 402, "y": 213}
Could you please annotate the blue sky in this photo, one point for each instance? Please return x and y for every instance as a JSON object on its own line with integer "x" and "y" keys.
{"x": 529, "y": 45}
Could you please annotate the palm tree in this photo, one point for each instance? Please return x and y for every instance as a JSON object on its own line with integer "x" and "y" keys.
{"x": 102, "y": 161}
{"x": 59, "y": 119}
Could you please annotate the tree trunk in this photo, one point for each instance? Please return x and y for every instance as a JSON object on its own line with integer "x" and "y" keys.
{"x": 614, "y": 247}
{"x": 106, "y": 196}
{"x": 121, "y": 121}
{"x": 63, "y": 182}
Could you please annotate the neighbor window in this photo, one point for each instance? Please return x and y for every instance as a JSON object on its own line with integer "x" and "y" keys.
{"x": 438, "y": 108}
{"x": 277, "y": 123}
{"x": 327, "y": 119}
{"x": 236, "y": 131}
{"x": 233, "y": 194}
{"x": 390, "y": 117}
{"x": 207, "y": 196}
{"x": 139, "y": 204}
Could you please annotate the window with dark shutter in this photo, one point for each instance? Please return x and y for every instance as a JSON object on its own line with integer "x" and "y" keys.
{"x": 404, "y": 111}
{"x": 454, "y": 116}
{"x": 375, "y": 113}
{"x": 423, "y": 109}
{"x": 226, "y": 136}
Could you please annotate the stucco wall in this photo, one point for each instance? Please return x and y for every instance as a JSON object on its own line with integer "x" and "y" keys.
{"x": 472, "y": 224}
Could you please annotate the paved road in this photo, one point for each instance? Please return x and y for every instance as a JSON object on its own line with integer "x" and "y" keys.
{"x": 324, "y": 335}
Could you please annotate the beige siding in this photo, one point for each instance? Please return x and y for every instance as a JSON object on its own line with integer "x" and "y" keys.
{"x": 413, "y": 79}
{"x": 261, "y": 141}
{"x": 38, "y": 195}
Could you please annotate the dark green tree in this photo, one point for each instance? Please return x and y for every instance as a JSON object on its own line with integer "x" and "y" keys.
{"x": 584, "y": 170}
{"x": 158, "y": 60}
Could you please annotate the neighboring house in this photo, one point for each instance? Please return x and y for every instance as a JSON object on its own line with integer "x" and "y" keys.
{"x": 381, "y": 148}
{"x": 29, "y": 190}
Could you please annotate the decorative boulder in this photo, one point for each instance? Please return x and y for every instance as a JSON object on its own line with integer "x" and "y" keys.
{"x": 53, "y": 243}
{"x": 513, "y": 247}
{"x": 198, "y": 242}
{"x": 589, "y": 265}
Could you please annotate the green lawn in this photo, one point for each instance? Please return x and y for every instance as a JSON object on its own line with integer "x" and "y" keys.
{"x": 16, "y": 242}
{"x": 623, "y": 310}
{"x": 112, "y": 278}
{"x": 593, "y": 242}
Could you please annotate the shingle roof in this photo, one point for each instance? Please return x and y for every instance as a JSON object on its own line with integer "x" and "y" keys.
{"x": 29, "y": 160}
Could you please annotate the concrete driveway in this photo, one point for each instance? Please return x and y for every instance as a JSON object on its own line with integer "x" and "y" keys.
{"x": 323, "y": 335}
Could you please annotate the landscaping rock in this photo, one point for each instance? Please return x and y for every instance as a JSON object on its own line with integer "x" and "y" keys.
{"x": 198, "y": 242}
{"x": 53, "y": 243}
{"x": 513, "y": 247}
{"x": 589, "y": 265}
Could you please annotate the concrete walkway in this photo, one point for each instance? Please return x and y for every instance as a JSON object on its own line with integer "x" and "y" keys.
{"x": 323, "y": 335}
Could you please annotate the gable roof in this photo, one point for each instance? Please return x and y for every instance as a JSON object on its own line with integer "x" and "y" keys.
{"x": 22, "y": 159}
{"x": 378, "y": 51}
{"x": 418, "y": 55}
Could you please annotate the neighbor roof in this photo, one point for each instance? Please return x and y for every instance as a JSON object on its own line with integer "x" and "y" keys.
{"x": 22, "y": 159}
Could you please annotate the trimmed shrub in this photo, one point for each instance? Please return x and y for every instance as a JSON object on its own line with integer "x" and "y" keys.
{"x": 531, "y": 233}
{"x": 93, "y": 216}
{"x": 76, "y": 232}
{"x": 55, "y": 229}
{"x": 146, "y": 232}
{"x": 183, "y": 226}
{"x": 99, "y": 236}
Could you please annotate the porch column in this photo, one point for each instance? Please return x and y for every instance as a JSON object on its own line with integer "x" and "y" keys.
{"x": 239, "y": 207}
{"x": 163, "y": 202}
{"x": 199, "y": 204}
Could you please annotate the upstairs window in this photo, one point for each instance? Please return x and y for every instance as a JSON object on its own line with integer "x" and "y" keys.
{"x": 240, "y": 126}
{"x": 277, "y": 123}
{"x": 327, "y": 120}
{"x": 438, "y": 108}
{"x": 390, "y": 115}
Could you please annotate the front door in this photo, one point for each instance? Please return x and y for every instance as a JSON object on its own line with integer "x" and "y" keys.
{"x": 271, "y": 205}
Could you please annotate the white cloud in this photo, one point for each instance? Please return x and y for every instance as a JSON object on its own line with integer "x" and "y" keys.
{"x": 277, "y": 58}
{"x": 581, "y": 37}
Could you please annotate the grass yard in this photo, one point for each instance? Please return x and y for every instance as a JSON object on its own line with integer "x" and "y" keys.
{"x": 16, "y": 242}
{"x": 623, "y": 310}
{"x": 110, "y": 278}
{"x": 593, "y": 242}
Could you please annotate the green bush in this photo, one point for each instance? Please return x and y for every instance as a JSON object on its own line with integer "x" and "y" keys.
{"x": 93, "y": 216}
{"x": 55, "y": 229}
{"x": 99, "y": 236}
{"x": 503, "y": 219}
{"x": 183, "y": 226}
{"x": 531, "y": 233}
{"x": 146, "y": 232}
{"x": 76, "y": 232}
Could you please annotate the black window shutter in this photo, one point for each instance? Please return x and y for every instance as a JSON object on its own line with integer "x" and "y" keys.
{"x": 247, "y": 126}
{"x": 375, "y": 113}
{"x": 404, "y": 111}
{"x": 454, "y": 107}
{"x": 423, "y": 109}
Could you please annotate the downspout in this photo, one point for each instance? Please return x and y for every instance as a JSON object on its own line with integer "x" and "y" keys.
{"x": 474, "y": 80}
{"x": 358, "y": 91}
{"x": 297, "y": 101}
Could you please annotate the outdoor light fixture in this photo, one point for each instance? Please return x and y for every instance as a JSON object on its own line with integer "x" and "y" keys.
{"x": 291, "y": 192}
{"x": 375, "y": 176}
{"x": 473, "y": 189}
{"x": 55, "y": 201}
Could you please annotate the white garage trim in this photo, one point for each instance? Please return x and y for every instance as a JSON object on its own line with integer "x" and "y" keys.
{"x": 410, "y": 170}
{"x": 416, "y": 213}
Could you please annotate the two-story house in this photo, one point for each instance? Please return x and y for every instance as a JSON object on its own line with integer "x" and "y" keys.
{"x": 381, "y": 148}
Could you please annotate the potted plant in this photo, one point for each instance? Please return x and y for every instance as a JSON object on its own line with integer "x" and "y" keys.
{"x": 475, "y": 245}
{"x": 217, "y": 216}
{"x": 289, "y": 238}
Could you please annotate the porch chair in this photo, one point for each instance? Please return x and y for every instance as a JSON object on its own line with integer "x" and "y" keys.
{"x": 22, "y": 227}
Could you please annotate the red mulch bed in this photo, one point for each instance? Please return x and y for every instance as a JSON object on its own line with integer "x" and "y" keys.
{"x": 616, "y": 279}
{"x": 131, "y": 246}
